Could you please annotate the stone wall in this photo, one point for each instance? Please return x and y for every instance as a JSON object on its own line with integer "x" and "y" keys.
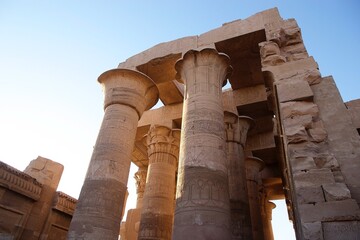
{"x": 24, "y": 199}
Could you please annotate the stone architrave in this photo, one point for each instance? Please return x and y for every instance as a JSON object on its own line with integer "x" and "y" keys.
{"x": 267, "y": 218}
{"x": 98, "y": 212}
{"x": 236, "y": 132}
{"x": 158, "y": 203}
{"x": 202, "y": 197}
{"x": 253, "y": 166}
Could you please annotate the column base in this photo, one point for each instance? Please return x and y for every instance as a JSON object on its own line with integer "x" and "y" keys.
{"x": 95, "y": 217}
{"x": 155, "y": 226}
{"x": 202, "y": 210}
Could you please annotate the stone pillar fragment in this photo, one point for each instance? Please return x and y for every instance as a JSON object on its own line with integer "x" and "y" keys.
{"x": 253, "y": 166}
{"x": 267, "y": 218}
{"x": 49, "y": 174}
{"x": 236, "y": 133}
{"x": 202, "y": 197}
{"x": 158, "y": 204}
{"x": 98, "y": 212}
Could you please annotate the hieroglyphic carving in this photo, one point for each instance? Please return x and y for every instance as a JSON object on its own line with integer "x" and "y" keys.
{"x": 204, "y": 197}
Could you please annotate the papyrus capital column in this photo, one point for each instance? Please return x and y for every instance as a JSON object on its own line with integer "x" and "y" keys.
{"x": 253, "y": 166}
{"x": 236, "y": 132}
{"x": 98, "y": 212}
{"x": 202, "y": 197}
{"x": 158, "y": 204}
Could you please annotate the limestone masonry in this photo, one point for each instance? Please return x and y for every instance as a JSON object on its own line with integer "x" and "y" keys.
{"x": 210, "y": 160}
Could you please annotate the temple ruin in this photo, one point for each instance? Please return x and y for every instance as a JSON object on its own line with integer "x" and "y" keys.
{"x": 211, "y": 160}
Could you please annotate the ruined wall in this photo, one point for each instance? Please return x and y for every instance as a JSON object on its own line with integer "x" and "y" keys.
{"x": 30, "y": 208}
{"x": 320, "y": 140}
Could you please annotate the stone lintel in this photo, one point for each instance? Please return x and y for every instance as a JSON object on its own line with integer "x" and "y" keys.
{"x": 64, "y": 203}
{"x": 260, "y": 141}
{"x": 248, "y": 95}
{"x": 232, "y": 29}
{"x": 19, "y": 182}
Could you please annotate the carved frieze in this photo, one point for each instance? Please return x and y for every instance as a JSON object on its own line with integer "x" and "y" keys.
{"x": 20, "y": 182}
{"x": 64, "y": 203}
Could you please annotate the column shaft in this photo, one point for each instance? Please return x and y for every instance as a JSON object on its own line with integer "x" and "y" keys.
{"x": 236, "y": 132}
{"x": 98, "y": 211}
{"x": 158, "y": 204}
{"x": 202, "y": 197}
{"x": 253, "y": 167}
{"x": 268, "y": 231}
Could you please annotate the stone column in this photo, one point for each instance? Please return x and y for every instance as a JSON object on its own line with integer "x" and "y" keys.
{"x": 202, "y": 196}
{"x": 158, "y": 204}
{"x": 267, "y": 218}
{"x": 140, "y": 178}
{"x": 236, "y": 133}
{"x": 98, "y": 212}
{"x": 253, "y": 166}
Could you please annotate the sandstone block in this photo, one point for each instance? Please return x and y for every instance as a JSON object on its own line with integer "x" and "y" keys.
{"x": 296, "y": 134}
{"x": 330, "y": 211}
{"x": 313, "y": 178}
{"x": 302, "y": 120}
{"x": 305, "y": 149}
{"x": 341, "y": 230}
{"x": 336, "y": 191}
{"x": 312, "y": 231}
{"x": 313, "y": 76}
{"x": 317, "y": 131}
{"x": 310, "y": 195}
{"x": 326, "y": 160}
{"x": 318, "y": 134}
{"x": 299, "y": 164}
{"x": 338, "y": 176}
{"x": 294, "y": 90}
{"x": 298, "y": 108}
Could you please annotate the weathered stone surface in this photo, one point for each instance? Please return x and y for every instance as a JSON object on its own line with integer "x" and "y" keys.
{"x": 298, "y": 108}
{"x": 313, "y": 178}
{"x": 202, "y": 214}
{"x": 312, "y": 231}
{"x": 299, "y": 120}
{"x": 324, "y": 160}
{"x": 336, "y": 191}
{"x": 330, "y": 211}
{"x": 310, "y": 194}
{"x": 293, "y": 90}
{"x": 341, "y": 230}
{"x": 303, "y": 164}
{"x": 45, "y": 171}
{"x": 343, "y": 138}
{"x": 296, "y": 134}
{"x": 354, "y": 109}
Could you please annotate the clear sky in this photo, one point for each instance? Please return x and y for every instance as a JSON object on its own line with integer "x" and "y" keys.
{"x": 51, "y": 53}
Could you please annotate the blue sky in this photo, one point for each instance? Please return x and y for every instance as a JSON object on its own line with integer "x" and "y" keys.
{"x": 51, "y": 53}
